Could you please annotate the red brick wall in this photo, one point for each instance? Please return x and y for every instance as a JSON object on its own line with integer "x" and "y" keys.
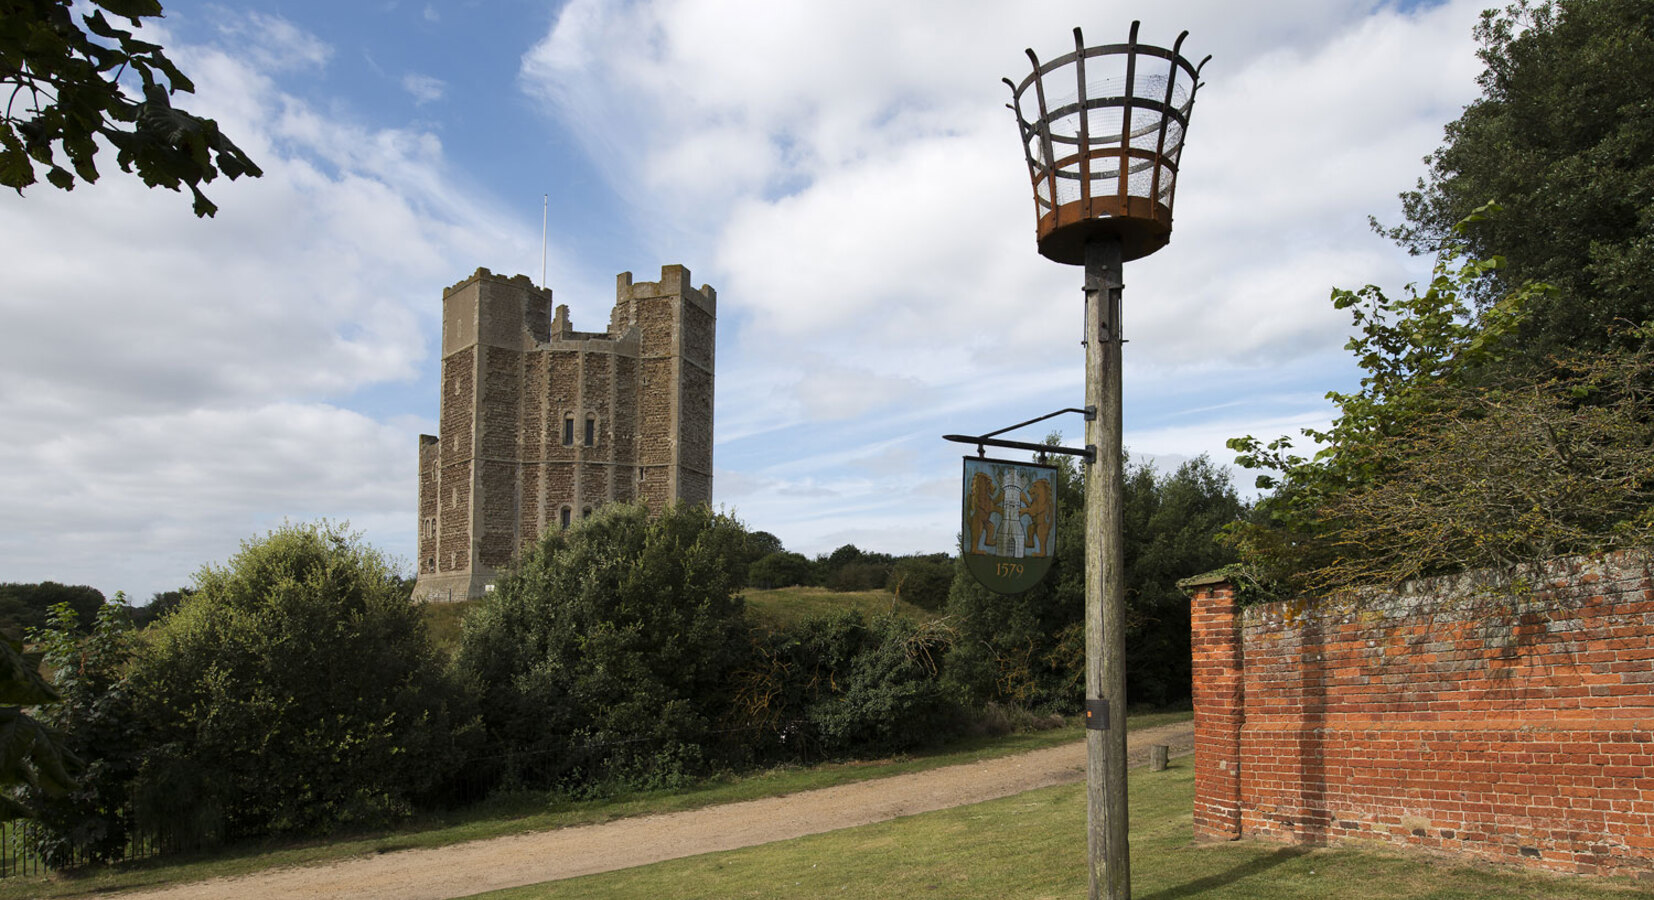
{"x": 1508, "y": 722}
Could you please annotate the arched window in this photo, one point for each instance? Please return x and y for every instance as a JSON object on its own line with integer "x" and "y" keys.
{"x": 586, "y": 513}
{"x": 591, "y": 430}
{"x": 568, "y": 431}
{"x": 567, "y": 513}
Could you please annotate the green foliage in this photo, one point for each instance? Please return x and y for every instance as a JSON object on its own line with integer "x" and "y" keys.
{"x": 842, "y": 684}
{"x": 66, "y": 94}
{"x": 923, "y": 581}
{"x": 160, "y": 604}
{"x": 1563, "y": 139}
{"x": 1171, "y": 524}
{"x": 90, "y": 822}
{"x": 32, "y": 756}
{"x": 295, "y": 690}
{"x": 24, "y": 607}
{"x": 779, "y": 569}
{"x": 849, "y": 568}
{"x": 1404, "y": 345}
{"x": 1029, "y": 649}
{"x": 607, "y": 647}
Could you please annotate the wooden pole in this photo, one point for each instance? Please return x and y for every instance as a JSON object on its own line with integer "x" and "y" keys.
{"x": 1105, "y": 649}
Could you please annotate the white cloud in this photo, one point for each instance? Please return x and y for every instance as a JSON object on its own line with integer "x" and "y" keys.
{"x": 424, "y": 88}
{"x": 272, "y": 44}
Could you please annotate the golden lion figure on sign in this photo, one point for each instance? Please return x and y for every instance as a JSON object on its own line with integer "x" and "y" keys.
{"x": 983, "y": 505}
{"x": 1039, "y": 509}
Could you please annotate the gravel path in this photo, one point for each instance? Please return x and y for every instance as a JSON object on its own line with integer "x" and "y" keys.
{"x": 464, "y": 869}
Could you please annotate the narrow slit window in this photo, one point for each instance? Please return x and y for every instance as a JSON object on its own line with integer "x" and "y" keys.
{"x": 568, "y": 431}
{"x": 567, "y": 514}
{"x": 591, "y": 430}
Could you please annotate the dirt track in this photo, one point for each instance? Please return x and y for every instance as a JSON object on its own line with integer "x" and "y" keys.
{"x": 465, "y": 869}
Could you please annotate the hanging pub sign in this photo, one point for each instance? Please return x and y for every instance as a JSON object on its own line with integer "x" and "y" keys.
{"x": 1010, "y": 522}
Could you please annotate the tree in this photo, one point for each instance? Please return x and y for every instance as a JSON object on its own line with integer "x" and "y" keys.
{"x": 31, "y": 755}
{"x": 296, "y": 690}
{"x": 1029, "y": 649}
{"x": 27, "y": 606}
{"x": 778, "y": 570}
{"x": 1451, "y": 458}
{"x": 1171, "y": 524}
{"x": 1563, "y": 139}
{"x": 604, "y": 656}
{"x": 89, "y": 822}
{"x": 160, "y": 605}
{"x": 71, "y": 89}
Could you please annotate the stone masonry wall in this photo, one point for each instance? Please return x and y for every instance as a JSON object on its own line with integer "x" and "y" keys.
{"x": 1513, "y": 722}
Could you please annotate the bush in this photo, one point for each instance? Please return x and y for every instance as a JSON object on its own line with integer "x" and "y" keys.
{"x": 859, "y": 576}
{"x": 604, "y": 655}
{"x": 841, "y": 685}
{"x": 923, "y": 581}
{"x": 89, "y": 821}
{"x": 778, "y": 570}
{"x": 295, "y": 690}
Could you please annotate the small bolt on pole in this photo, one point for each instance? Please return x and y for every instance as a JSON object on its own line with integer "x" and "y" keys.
{"x": 1104, "y": 172}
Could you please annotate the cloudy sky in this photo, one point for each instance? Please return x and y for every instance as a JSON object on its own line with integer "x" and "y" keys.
{"x": 845, "y": 174}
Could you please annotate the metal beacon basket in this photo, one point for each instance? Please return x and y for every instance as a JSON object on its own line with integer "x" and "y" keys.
{"x": 1102, "y": 129}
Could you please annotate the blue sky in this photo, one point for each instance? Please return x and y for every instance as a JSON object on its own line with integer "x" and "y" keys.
{"x": 844, "y": 174}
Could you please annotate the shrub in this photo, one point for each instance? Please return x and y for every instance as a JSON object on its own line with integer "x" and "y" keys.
{"x": 778, "y": 570}
{"x": 923, "y": 581}
{"x": 295, "y": 690}
{"x": 604, "y": 655}
{"x": 841, "y": 685}
{"x": 89, "y": 822}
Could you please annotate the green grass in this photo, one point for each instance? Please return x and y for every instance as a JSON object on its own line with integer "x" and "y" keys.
{"x": 1033, "y": 846}
{"x": 515, "y": 815}
{"x": 787, "y": 606}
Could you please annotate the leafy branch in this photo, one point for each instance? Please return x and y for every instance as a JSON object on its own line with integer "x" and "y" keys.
{"x": 71, "y": 90}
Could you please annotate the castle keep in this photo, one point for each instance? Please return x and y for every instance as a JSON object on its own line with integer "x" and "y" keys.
{"x": 540, "y": 424}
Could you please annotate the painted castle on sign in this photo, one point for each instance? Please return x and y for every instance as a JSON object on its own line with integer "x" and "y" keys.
{"x": 540, "y": 424}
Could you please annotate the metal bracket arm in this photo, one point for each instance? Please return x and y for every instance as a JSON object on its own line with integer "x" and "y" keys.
{"x": 1089, "y": 453}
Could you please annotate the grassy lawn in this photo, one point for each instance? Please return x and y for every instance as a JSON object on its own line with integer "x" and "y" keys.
{"x": 785, "y": 606}
{"x": 515, "y": 815}
{"x": 1033, "y": 846}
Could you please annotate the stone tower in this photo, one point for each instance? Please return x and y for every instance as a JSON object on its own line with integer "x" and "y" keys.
{"x": 540, "y": 424}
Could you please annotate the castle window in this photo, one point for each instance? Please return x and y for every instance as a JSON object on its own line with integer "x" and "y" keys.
{"x": 568, "y": 431}
{"x": 567, "y": 514}
{"x": 591, "y": 430}
{"x": 586, "y": 513}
